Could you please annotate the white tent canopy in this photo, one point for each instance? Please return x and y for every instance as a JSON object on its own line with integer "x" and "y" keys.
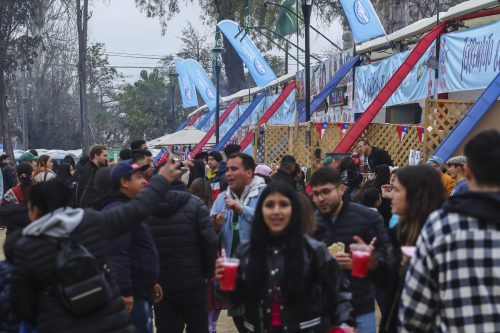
{"x": 187, "y": 136}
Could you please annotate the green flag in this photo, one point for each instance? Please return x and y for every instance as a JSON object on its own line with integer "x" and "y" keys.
{"x": 287, "y": 22}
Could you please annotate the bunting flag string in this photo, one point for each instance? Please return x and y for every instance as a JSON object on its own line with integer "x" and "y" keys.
{"x": 321, "y": 128}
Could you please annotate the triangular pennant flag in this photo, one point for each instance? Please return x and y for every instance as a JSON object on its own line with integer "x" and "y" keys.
{"x": 343, "y": 127}
{"x": 404, "y": 130}
{"x": 399, "y": 129}
{"x": 321, "y": 128}
{"x": 420, "y": 131}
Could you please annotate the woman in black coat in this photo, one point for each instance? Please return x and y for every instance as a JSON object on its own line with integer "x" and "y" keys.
{"x": 286, "y": 280}
{"x": 34, "y": 264}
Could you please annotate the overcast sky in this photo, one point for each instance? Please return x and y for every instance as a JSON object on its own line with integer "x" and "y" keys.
{"x": 124, "y": 29}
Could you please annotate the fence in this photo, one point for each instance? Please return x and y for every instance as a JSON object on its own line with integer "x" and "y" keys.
{"x": 272, "y": 142}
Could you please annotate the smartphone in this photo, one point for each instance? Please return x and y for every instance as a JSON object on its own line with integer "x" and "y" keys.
{"x": 184, "y": 170}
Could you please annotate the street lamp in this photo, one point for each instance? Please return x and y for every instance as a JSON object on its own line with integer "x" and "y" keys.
{"x": 173, "y": 78}
{"x": 306, "y": 11}
{"x": 217, "y": 53}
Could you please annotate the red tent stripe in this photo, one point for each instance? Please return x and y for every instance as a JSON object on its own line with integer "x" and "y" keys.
{"x": 270, "y": 112}
{"x": 211, "y": 132}
{"x": 194, "y": 118}
{"x": 366, "y": 118}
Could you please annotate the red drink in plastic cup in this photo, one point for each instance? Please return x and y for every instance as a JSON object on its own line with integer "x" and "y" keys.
{"x": 228, "y": 280}
{"x": 337, "y": 330}
{"x": 360, "y": 255}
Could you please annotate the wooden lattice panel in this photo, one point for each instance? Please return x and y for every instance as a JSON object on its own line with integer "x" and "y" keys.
{"x": 298, "y": 147}
{"x": 276, "y": 144}
{"x": 441, "y": 116}
{"x": 386, "y": 136}
{"x": 259, "y": 144}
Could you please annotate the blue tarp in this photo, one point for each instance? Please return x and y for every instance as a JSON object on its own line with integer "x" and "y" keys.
{"x": 256, "y": 101}
{"x": 469, "y": 121}
{"x": 339, "y": 75}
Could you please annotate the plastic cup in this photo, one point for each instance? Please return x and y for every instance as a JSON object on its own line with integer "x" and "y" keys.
{"x": 228, "y": 280}
{"x": 337, "y": 330}
{"x": 360, "y": 254}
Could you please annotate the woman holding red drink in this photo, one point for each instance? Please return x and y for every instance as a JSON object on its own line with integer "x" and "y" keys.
{"x": 287, "y": 281}
{"x": 415, "y": 193}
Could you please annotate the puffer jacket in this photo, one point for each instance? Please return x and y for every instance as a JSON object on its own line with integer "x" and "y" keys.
{"x": 133, "y": 256}
{"x": 327, "y": 304}
{"x": 34, "y": 268}
{"x": 354, "y": 219}
{"x": 186, "y": 241}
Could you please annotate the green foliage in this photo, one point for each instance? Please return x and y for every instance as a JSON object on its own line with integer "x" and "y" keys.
{"x": 144, "y": 106}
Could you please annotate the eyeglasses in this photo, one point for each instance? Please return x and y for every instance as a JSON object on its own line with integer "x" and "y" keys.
{"x": 324, "y": 192}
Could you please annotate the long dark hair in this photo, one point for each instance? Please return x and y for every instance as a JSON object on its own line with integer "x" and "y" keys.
{"x": 202, "y": 189}
{"x": 64, "y": 172}
{"x": 425, "y": 193}
{"x": 293, "y": 241}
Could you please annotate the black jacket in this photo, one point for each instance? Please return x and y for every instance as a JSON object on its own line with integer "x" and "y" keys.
{"x": 185, "y": 238}
{"x": 355, "y": 219}
{"x": 327, "y": 304}
{"x": 85, "y": 184}
{"x": 9, "y": 177}
{"x": 34, "y": 269}
{"x": 283, "y": 176}
{"x": 377, "y": 157}
{"x": 14, "y": 217}
{"x": 133, "y": 256}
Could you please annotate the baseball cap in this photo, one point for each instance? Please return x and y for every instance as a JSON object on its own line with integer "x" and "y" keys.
{"x": 27, "y": 157}
{"x": 263, "y": 170}
{"x": 435, "y": 160}
{"x": 457, "y": 160}
{"x": 125, "y": 169}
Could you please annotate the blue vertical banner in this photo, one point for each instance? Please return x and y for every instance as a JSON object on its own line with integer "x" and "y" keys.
{"x": 363, "y": 20}
{"x": 187, "y": 88}
{"x": 258, "y": 67}
{"x": 200, "y": 79}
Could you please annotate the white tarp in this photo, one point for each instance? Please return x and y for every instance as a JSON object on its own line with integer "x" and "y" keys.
{"x": 187, "y": 136}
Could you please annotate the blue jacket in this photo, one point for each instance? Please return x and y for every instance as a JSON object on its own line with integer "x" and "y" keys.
{"x": 133, "y": 257}
{"x": 248, "y": 200}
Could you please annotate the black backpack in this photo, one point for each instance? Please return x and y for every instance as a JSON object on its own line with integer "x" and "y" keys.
{"x": 81, "y": 283}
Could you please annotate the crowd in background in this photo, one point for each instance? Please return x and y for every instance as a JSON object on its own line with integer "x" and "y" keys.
{"x": 156, "y": 235}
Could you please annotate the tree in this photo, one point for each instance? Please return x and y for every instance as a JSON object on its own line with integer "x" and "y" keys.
{"x": 144, "y": 106}
{"x": 82, "y": 18}
{"x": 195, "y": 46}
{"x": 102, "y": 96}
{"x": 17, "y": 49}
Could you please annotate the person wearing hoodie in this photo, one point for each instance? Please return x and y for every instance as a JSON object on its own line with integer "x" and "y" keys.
{"x": 233, "y": 211}
{"x": 133, "y": 255}
{"x": 34, "y": 260}
{"x": 187, "y": 245}
{"x": 452, "y": 282}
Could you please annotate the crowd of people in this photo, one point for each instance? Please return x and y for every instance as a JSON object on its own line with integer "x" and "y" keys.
{"x": 138, "y": 246}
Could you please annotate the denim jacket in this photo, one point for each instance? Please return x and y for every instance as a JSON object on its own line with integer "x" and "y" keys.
{"x": 248, "y": 200}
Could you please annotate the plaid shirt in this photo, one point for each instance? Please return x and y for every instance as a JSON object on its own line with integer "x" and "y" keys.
{"x": 453, "y": 283}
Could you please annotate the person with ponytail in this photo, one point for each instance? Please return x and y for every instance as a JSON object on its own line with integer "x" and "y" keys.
{"x": 44, "y": 169}
{"x": 287, "y": 281}
{"x": 19, "y": 193}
